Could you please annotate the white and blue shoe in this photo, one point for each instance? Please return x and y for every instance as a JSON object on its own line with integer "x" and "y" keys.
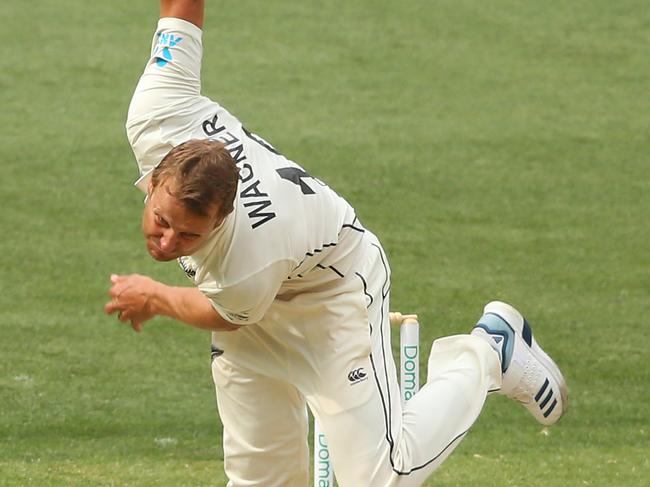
{"x": 529, "y": 375}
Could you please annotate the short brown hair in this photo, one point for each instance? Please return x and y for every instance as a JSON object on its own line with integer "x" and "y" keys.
{"x": 203, "y": 174}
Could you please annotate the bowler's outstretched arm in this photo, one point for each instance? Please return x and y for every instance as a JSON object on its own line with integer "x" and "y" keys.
{"x": 138, "y": 298}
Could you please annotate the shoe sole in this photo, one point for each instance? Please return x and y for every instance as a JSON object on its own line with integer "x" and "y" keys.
{"x": 511, "y": 316}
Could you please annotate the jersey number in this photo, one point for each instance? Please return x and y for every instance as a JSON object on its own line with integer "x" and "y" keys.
{"x": 295, "y": 175}
{"x": 292, "y": 174}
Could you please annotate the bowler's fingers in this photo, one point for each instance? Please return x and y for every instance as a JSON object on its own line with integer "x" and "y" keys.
{"x": 114, "y": 292}
{"x": 119, "y": 285}
{"x": 123, "y": 312}
{"x": 125, "y": 315}
{"x": 111, "y": 307}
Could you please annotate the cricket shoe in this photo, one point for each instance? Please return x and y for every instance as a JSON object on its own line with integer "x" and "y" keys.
{"x": 529, "y": 375}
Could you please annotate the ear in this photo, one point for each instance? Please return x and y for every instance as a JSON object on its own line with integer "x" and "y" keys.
{"x": 149, "y": 187}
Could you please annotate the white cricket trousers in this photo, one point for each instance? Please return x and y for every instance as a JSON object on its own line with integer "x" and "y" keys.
{"x": 330, "y": 349}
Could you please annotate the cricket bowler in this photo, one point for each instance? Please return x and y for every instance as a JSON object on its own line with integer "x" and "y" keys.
{"x": 295, "y": 291}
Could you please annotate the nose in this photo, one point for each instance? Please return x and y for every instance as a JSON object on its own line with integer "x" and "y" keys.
{"x": 168, "y": 240}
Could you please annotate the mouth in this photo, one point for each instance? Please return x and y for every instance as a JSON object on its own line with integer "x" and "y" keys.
{"x": 157, "y": 253}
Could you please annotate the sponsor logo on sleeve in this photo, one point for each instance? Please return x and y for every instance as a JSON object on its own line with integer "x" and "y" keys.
{"x": 164, "y": 45}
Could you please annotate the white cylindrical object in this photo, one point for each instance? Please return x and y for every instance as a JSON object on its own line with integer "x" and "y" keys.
{"x": 323, "y": 471}
{"x": 409, "y": 358}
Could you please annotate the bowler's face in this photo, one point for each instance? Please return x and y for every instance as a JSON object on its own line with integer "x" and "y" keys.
{"x": 170, "y": 229}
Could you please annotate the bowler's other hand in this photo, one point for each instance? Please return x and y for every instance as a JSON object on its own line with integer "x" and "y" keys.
{"x": 131, "y": 297}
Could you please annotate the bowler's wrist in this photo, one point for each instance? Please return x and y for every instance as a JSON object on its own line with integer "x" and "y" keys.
{"x": 159, "y": 298}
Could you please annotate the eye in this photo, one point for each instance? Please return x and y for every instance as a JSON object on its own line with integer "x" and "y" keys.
{"x": 161, "y": 221}
{"x": 189, "y": 236}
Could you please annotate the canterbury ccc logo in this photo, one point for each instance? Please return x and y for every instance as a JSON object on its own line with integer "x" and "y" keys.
{"x": 357, "y": 375}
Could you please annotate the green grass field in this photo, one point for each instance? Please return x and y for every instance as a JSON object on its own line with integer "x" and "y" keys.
{"x": 499, "y": 149}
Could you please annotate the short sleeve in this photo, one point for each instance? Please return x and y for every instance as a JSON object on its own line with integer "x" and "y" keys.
{"x": 247, "y": 301}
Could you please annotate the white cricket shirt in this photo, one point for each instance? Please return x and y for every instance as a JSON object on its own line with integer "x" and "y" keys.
{"x": 289, "y": 233}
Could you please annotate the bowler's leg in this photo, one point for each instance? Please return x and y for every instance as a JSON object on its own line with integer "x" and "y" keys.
{"x": 379, "y": 444}
{"x": 264, "y": 429}
{"x": 374, "y": 440}
{"x": 461, "y": 371}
